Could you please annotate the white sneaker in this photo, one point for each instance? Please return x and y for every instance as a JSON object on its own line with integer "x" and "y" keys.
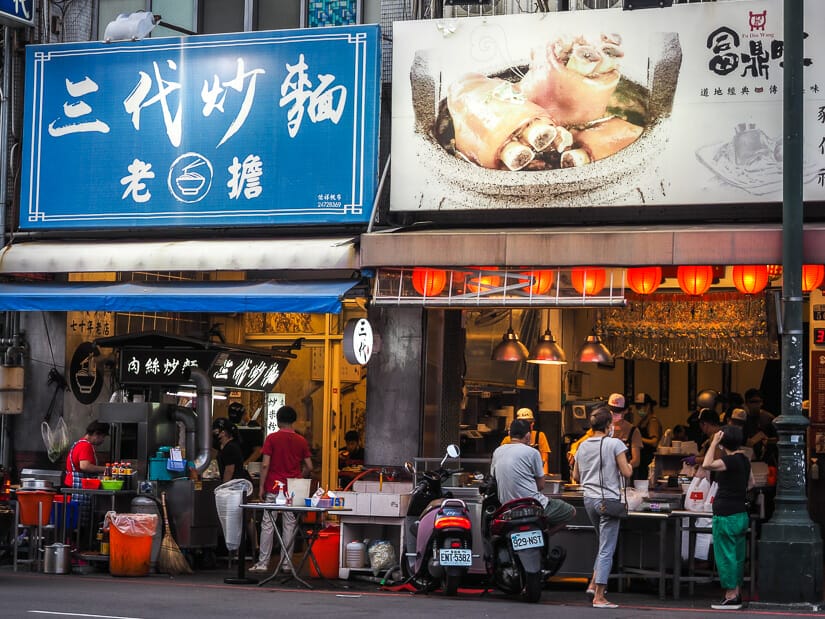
{"x": 260, "y": 566}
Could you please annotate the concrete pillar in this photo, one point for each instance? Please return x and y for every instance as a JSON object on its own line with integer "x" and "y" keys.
{"x": 393, "y": 418}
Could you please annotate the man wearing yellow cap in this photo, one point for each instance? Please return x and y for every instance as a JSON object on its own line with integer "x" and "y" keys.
{"x": 537, "y": 438}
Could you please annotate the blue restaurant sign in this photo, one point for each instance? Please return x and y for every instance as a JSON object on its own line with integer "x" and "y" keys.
{"x": 17, "y": 12}
{"x": 249, "y": 129}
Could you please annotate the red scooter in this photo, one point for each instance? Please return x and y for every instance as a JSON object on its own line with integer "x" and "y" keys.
{"x": 439, "y": 531}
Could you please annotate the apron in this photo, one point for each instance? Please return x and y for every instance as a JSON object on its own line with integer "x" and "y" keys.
{"x": 84, "y": 501}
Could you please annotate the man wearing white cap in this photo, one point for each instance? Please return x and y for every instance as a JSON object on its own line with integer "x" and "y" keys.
{"x": 537, "y": 438}
{"x": 624, "y": 430}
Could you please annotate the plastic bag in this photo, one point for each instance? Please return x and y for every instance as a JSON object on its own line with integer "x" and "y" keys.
{"x": 697, "y": 494}
{"x": 634, "y": 499}
{"x": 711, "y": 495}
{"x": 228, "y": 499}
{"x": 382, "y": 556}
{"x": 133, "y": 525}
{"x": 56, "y": 440}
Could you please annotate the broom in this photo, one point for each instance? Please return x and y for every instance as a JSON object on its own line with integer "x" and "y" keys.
{"x": 171, "y": 559}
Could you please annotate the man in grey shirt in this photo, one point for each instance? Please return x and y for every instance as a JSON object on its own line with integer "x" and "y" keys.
{"x": 519, "y": 473}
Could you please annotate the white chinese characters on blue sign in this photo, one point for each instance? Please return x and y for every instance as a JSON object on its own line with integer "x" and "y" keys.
{"x": 17, "y": 12}
{"x": 246, "y": 129}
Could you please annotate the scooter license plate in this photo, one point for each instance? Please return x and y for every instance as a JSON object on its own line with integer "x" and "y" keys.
{"x": 455, "y": 556}
{"x": 528, "y": 539}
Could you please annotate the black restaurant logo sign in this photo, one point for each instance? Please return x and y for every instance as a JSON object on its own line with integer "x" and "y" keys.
{"x": 229, "y": 369}
{"x": 84, "y": 379}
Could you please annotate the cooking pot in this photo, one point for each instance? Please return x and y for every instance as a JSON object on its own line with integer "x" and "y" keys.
{"x": 30, "y": 483}
{"x": 57, "y": 559}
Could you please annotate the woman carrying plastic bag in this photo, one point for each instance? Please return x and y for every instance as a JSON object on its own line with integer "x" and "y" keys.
{"x": 228, "y": 500}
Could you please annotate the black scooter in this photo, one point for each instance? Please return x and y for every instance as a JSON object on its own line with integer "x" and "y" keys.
{"x": 517, "y": 553}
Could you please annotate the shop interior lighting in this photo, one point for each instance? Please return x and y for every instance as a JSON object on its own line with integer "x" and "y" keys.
{"x": 510, "y": 347}
{"x": 546, "y": 351}
{"x": 594, "y": 351}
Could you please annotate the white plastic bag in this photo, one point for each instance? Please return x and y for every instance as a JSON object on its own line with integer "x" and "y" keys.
{"x": 634, "y": 499}
{"x": 56, "y": 440}
{"x": 711, "y": 495}
{"x": 228, "y": 499}
{"x": 697, "y": 494}
{"x": 382, "y": 556}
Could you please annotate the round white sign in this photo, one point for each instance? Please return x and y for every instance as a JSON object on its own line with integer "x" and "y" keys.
{"x": 358, "y": 341}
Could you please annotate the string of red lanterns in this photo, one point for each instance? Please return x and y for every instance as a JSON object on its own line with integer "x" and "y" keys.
{"x": 693, "y": 280}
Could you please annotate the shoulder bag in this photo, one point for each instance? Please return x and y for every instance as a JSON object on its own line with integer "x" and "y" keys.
{"x": 614, "y": 508}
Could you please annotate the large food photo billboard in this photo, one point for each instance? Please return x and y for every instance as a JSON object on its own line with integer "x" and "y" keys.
{"x": 674, "y": 106}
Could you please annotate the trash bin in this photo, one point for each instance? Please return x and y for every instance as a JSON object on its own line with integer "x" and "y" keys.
{"x": 149, "y": 505}
{"x": 130, "y": 543}
{"x": 326, "y": 549}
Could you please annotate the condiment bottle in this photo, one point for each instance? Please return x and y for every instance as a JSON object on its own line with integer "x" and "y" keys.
{"x": 107, "y": 471}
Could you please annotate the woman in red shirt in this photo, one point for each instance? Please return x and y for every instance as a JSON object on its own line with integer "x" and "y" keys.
{"x": 81, "y": 462}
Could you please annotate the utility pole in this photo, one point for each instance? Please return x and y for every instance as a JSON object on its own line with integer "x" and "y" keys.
{"x": 790, "y": 547}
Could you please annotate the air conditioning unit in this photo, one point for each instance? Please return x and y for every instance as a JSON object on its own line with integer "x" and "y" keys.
{"x": 457, "y": 8}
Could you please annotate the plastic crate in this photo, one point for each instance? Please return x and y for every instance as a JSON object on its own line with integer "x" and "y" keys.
{"x": 57, "y": 512}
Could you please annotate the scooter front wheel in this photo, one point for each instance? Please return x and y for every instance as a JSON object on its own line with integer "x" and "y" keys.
{"x": 532, "y": 590}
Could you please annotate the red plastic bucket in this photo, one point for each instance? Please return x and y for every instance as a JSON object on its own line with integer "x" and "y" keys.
{"x": 326, "y": 550}
{"x": 129, "y": 555}
{"x": 28, "y": 500}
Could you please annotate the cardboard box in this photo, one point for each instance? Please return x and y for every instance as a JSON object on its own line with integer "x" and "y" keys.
{"x": 358, "y": 502}
{"x": 389, "y": 504}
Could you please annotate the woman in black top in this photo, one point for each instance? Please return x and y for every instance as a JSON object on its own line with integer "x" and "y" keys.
{"x": 730, "y": 513}
{"x": 230, "y": 454}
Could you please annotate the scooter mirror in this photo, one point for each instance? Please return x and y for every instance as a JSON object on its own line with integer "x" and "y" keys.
{"x": 409, "y": 467}
{"x": 452, "y": 452}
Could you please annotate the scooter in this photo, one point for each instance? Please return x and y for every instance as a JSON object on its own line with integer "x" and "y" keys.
{"x": 440, "y": 532}
{"x": 516, "y": 536}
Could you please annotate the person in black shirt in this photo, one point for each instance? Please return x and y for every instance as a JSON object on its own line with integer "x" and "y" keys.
{"x": 730, "y": 513}
{"x": 230, "y": 456}
{"x": 250, "y": 433}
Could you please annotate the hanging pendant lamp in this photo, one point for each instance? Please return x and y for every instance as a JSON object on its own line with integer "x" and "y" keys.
{"x": 547, "y": 351}
{"x": 510, "y": 347}
{"x": 594, "y": 351}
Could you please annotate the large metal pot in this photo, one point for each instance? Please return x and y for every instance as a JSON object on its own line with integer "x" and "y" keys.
{"x": 57, "y": 559}
{"x": 30, "y": 483}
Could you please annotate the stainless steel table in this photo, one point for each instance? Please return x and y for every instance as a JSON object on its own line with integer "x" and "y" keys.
{"x": 692, "y": 529}
{"x": 271, "y": 510}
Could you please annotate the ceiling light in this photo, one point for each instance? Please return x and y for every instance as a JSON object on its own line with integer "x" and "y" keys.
{"x": 510, "y": 348}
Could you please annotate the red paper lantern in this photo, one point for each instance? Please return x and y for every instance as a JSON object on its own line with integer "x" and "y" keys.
{"x": 542, "y": 281}
{"x": 750, "y": 278}
{"x": 644, "y": 280}
{"x": 483, "y": 282}
{"x": 587, "y": 280}
{"x": 429, "y": 282}
{"x": 812, "y": 276}
{"x": 695, "y": 280}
